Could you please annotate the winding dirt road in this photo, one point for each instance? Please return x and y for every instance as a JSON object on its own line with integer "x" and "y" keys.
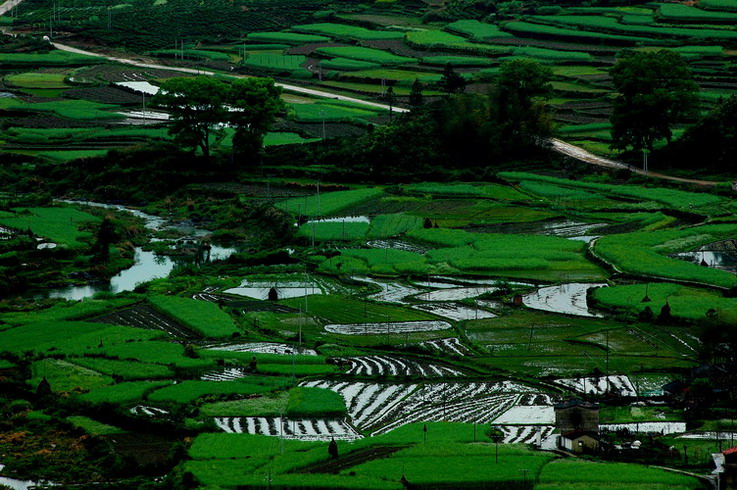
{"x": 195, "y": 71}
{"x": 557, "y": 145}
{"x": 4, "y": 8}
{"x": 585, "y": 156}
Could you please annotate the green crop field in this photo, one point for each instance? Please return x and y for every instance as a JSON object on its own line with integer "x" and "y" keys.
{"x": 189, "y": 391}
{"x": 476, "y": 29}
{"x": 435, "y": 279}
{"x": 53, "y": 58}
{"x": 671, "y": 197}
{"x": 59, "y": 225}
{"x": 337, "y": 309}
{"x": 345, "y": 64}
{"x": 365, "y": 54}
{"x": 203, "y": 317}
{"x": 285, "y": 37}
{"x": 458, "y": 61}
{"x": 575, "y": 473}
{"x": 191, "y": 53}
{"x": 94, "y": 427}
{"x": 125, "y": 369}
{"x": 65, "y": 376}
{"x": 328, "y": 204}
{"x": 387, "y": 225}
{"x": 343, "y": 31}
{"x": 643, "y": 254}
{"x": 274, "y": 61}
{"x": 684, "y": 13}
{"x": 315, "y": 402}
{"x": 123, "y": 393}
{"x": 37, "y": 80}
{"x": 685, "y": 302}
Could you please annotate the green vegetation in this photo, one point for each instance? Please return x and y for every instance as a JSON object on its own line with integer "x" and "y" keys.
{"x": 315, "y": 402}
{"x": 343, "y": 31}
{"x": 476, "y": 29}
{"x": 37, "y": 80}
{"x": 123, "y": 393}
{"x": 365, "y": 54}
{"x": 643, "y": 254}
{"x": 202, "y": 317}
{"x": 285, "y": 37}
{"x": 328, "y": 204}
{"x": 671, "y": 197}
{"x": 94, "y": 427}
{"x": 125, "y": 369}
{"x": 59, "y": 225}
{"x": 567, "y": 473}
{"x": 685, "y": 302}
{"x": 70, "y": 109}
{"x": 65, "y": 376}
{"x": 189, "y": 391}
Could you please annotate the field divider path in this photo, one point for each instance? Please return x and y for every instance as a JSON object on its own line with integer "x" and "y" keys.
{"x": 197, "y": 71}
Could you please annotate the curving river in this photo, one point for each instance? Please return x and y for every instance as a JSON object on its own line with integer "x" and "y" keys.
{"x": 147, "y": 265}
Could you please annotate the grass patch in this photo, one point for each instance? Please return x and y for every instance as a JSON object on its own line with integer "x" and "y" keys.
{"x": 64, "y": 376}
{"x": 328, "y": 204}
{"x": 577, "y": 473}
{"x": 59, "y": 225}
{"x": 315, "y": 402}
{"x": 123, "y": 393}
{"x": 189, "y": 391}
{"x": 201, "y": 316}
{"x": 37, "y": 80}
{"x": 343, "y": 31}
{"x": 286, "y": 38}
{"x": 365, "y": 54}
{"x": 125, "y": 369}
{"x": 93, "y": 427}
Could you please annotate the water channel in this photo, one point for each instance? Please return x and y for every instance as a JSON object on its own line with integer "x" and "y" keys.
{"x": 147, "y": 265}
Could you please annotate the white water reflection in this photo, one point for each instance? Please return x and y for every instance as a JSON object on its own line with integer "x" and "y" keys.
{"x": 719, "y": 260}
{"x": 569, "y": 299}
{"x": 14, "y": 483}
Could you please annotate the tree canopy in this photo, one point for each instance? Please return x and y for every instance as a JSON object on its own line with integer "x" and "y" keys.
{"x": 712, "y": 141}
{"x": 656, "y": 90}
{"x": 201, "y": 104}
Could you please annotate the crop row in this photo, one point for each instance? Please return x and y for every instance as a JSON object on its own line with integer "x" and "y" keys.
{"x": 385, "y": 365}
{"x": 289, "y": 428}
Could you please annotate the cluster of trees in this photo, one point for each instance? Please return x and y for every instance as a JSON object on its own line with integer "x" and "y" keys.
{"x": 656, "y": 92}
{"x": 200, "y": 105}
{"x": 458, "y": 132}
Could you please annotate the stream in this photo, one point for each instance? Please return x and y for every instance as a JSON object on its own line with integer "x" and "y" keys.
{"x": 147, "y": 265}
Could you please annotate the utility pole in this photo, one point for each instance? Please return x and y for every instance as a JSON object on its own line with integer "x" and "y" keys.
{"x": 645, "y": 151}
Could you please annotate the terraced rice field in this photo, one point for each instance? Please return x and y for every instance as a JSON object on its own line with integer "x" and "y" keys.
{"x": 287, "y": 428}
{"x": 144, "y": 316}
{"x": 384, "y": 407}
{"x": 455, "y": 311}
{"x": 599, "y": 386}
{"x": 395, "y": 366}
{"x": 388, "y": 328}
{"x": 569, "y": 299}
{"x": 263, "y": 348}
{"x": 451, "y": 346}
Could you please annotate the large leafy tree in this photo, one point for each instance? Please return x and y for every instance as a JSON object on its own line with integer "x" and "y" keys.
{"x": 519, "y": 104}
{"x": 656, "y": 90}
{"x": 254, "y": 103}
{"x": 196, "y": 108}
